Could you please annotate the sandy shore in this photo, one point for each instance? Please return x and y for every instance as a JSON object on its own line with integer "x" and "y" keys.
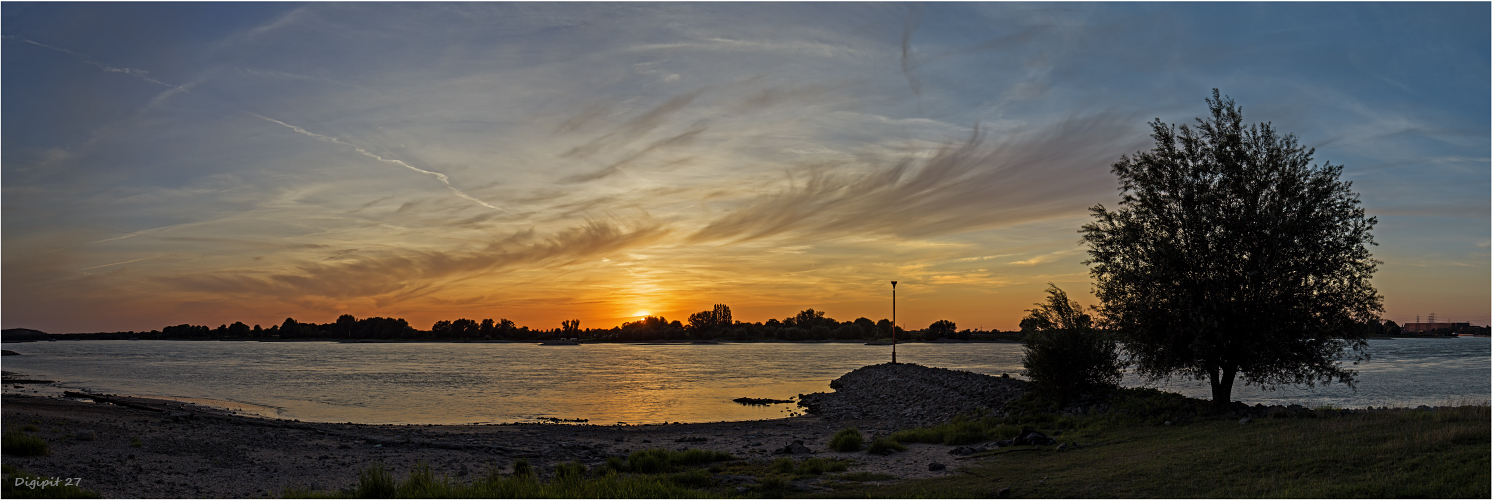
{"x": 157, "y": 448}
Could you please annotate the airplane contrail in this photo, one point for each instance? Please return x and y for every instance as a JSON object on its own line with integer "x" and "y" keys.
{"x": 144, "y": 75}
{"x": 116, "y": 263}
{"x": 137, "y": 73}
{"x": 438, "y": 175}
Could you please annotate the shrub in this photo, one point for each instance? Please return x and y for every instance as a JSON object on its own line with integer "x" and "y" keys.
{"x": 617, "y": 464}
{"x": 375, "y": 481}
{"x": 421, "y": 483}
{"x": 1063, "y": 354}
{"x": 848, "y": 439}
{"x": 784, "y": 465}
{"x": 522, "y": 468}
{"x": 15, "y": 443}
{"x": 884, "y": 446}
{"x": 573, "y": 470}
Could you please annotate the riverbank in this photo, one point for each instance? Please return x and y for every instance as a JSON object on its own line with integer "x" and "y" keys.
{"x": 167, "y": 449}
{"x": 141, "y": 447}
{"x": 134, "y": 447}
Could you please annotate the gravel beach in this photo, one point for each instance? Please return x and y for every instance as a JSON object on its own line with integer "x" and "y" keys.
{"x": 131, "y": 447}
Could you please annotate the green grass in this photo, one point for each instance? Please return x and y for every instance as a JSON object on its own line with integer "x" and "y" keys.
{"x": 1380, "y": 454}
{"x": 884, "y": 445}
{"x": 848, "y": 439}
{"x": 658, "y": 460}
{"x": 377, "y": 482}
{"x": 961, "y": 431}
{"x": 10, "y": 488}
{"x": 654, "y": 473}
{"x": 815, "y": 466}
{"x": 808, "y": 467}
{"x": 863, "y": 476}
{"x": 16, "y": 443}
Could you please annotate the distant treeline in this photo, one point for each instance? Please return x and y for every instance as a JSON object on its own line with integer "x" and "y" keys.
{"x": 715, "y": 324}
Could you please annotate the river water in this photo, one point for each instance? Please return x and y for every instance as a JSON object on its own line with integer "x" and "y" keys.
{"x": 439, "y": 383}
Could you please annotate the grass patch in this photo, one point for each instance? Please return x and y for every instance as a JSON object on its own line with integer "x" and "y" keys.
{"x": 15, "y": 483}
{"x": 31, "y": 428}
{"x": 848, "y": 439}
{"x": 863, "y": 476}
{"x": 808, "y": 467}
{"x": 1404, "y": 453}
{"x": 16, "y": 443}
{"x": 658, "y": 460}
{"x": 376, "y": 481}
{"x": 815, "y": 466}
{"x": 960, "y": 431}
{"x": 885, "y": 446}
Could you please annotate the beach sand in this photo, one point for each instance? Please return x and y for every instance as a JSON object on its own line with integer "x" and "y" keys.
{"x": 171, "y": 449}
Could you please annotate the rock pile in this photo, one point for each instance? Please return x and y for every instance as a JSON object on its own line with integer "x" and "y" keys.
{"x": 912, "y": 395}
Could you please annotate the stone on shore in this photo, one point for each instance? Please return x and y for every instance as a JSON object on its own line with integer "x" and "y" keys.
{"x": 795, "y": 448}
{"x": 912, "y": 395}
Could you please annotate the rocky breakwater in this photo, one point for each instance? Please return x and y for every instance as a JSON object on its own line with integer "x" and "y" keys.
{"x": 912, "y": 395}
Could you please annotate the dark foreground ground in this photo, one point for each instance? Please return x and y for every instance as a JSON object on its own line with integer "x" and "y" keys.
{"x": 147, "y": 453}
{"x": 1129, "y": 444}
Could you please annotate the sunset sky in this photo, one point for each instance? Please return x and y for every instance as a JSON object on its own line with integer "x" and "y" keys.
{"x": 205, "y": 163}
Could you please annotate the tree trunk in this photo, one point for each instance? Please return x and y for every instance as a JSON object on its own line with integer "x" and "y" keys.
{"x": 1222, "y": 383}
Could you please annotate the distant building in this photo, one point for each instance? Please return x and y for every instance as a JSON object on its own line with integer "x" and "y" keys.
{"x": 1427, "y": 327}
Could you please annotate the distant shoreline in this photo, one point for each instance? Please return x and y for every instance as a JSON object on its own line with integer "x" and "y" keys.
{"x": 533, "y": 342}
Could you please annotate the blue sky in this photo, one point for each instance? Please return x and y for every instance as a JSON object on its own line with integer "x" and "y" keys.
{"x": 211, "y": 162}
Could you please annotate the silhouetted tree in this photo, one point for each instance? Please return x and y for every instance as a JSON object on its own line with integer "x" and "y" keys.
{"x": 1231, "y": 255}
{"x": 702, "y": 323}
{"x": 1062, "y": 352}
{"x": 868, "y": 327}
{"x": 441, "y": 328}
{"x": 809, "y": 318}
{"x": 463, "y": 328}
{"x": 290, "y": 329}
{"x": 941, "y": 328}
{"x": 1391, "y": 328}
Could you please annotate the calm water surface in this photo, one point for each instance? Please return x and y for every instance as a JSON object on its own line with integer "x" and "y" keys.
{"x": 607, "y": 383}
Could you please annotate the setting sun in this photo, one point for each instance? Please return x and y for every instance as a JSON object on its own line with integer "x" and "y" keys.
{"x": 641, "y": 314}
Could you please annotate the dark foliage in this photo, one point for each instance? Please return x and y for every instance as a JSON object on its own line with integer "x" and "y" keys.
{"x": 1232, "y": 255}
{"x": 1063, "y": 354}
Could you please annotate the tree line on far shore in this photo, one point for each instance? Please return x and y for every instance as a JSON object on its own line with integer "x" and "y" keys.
{"x": 714, "y": 324}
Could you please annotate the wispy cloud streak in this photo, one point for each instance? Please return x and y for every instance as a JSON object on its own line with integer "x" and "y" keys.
{"x": 413, "y": 272}
{"x": 118, "y": 263}
{"x": 438, "y": 175}
{"x": 137, "y": 73}
{"x": 962, "y": 187}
